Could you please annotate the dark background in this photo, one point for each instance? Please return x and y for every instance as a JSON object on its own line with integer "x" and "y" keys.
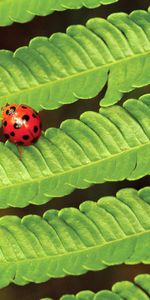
{"x": 18, "y": 35}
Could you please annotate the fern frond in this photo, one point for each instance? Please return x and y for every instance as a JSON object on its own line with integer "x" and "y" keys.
{"x": 66, "y": 67}
{"x": 71, "y": 241}
{"x": 139, "y": 290}
{"x": 112, "y": 145}
{"x": 23, "y": 11}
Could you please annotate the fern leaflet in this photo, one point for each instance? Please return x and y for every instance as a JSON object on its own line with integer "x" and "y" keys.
{"x": 24, "y": 11}
{"x": 66, "y": 67}
{"x": 71, "y": 241}
{"x": 140, "y": 290}
{"x": 108, "y": 146}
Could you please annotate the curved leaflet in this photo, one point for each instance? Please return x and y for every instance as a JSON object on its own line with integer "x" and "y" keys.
{"x": 24, "y": 11}
{"x": 71, "y": 241}
{"x": 76, "y": 65}
{"x": 120, "y": 291}
{"x": 112, "y": 145}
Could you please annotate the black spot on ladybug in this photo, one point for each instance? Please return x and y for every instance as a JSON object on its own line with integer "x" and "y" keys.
{"x": 34, "y": 115}
{"x": 20, "y": 143}
{"x": 25, "y": 118}
{"x": 34, "y": 140}
{"x": 40, "y": 125}
{"x": 5, "y": 123}
{"x": 6, "y": 136}
{"x": 12, "y": 133}
{"x": 7, "y": 111}
{"x": 23, "y": 106}
{"x": 35, "y": 129}
{"x": 17, "y": 125}
{"x": 25, "y": 137}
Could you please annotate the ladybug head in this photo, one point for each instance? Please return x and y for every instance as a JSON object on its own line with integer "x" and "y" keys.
{"x": 8, "y": 109}
{"x": 4, "y": 106}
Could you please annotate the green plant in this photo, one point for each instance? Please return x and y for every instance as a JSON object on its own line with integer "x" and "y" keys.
{"x": 25, "y": 11}
{"x": 76, "y": 240}
{"x": 106, "y": 50}
{"x": 140, "y": 289}
{"x": 110, "y": 145}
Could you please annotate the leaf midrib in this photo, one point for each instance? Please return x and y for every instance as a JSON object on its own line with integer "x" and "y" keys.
{"x": 89, "y": 248}
{"x": 72, "y": 169}
{"x": 51, "y": 82}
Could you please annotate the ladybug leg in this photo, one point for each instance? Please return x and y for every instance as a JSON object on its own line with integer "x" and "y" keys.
{"x": 20, "y": 150}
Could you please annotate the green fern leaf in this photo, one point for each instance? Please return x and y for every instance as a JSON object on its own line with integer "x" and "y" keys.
{"x": 112, "y": 145}
{"x": 140, "y": 290}
{"x": 66, "y": 67}
{"x": 23, "y": 11}
{"x": 71, "y": 241}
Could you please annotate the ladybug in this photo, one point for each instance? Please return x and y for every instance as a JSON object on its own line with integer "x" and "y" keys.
{"x": 21, "y": 124}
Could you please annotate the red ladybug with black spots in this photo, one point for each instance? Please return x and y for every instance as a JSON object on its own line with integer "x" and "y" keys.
{"x": 21, "y": 124}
